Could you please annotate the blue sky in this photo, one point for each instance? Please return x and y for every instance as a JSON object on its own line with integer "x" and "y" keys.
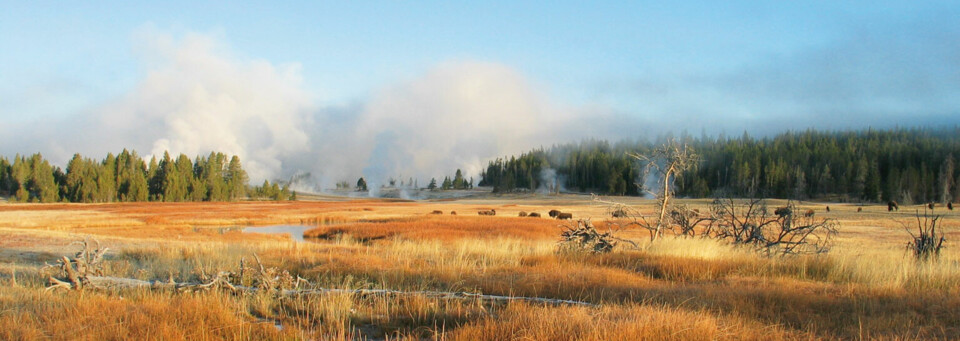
{"x": 648, "y": 66}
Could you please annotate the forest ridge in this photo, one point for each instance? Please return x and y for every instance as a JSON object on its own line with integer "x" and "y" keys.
{"x": 906, "y": 165}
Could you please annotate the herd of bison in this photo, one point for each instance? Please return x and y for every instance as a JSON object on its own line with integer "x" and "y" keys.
{"x": 891, "y": 206}
{"x": 553, "y": 214}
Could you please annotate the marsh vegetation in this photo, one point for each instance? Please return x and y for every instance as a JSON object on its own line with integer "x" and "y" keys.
{"x": 679, "y": 287}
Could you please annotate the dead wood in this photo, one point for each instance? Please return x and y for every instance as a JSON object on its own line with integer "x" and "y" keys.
{"x": 84, "y": 272}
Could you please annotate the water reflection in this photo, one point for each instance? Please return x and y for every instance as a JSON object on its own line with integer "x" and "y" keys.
{"x": 294, "y": 231}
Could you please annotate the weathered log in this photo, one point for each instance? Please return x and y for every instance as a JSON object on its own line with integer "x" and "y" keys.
{"x": 121, "y": 283}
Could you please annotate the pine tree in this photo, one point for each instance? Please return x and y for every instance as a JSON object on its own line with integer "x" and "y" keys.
{"x": 236, "y": 179}
{"x": 945, "y": 181}
{"x": 6, "y": 179}
{"x": 458, "y": 182}
{"x": 447, "y": 184}
{"x": 42, "y": 184}
{"x": 361, "y": 185}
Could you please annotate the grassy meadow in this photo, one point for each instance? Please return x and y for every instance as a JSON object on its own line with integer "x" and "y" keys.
{"x": 867, "y": 287}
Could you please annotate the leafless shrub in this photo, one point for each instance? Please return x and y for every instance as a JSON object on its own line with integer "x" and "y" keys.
{"x": 748, "y": 223}
{"x": 584, "y": 237}
{"x": 685, "y": 221}
{"x": 928, "y": 241}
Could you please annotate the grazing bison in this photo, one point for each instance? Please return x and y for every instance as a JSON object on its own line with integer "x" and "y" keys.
{"x": 950, "y": 206}
{"x": 553, "y": 213}
{"x": 453, "y": 212}
{"x": 437, "y": 212}
{"x": 490, "y": 212}
{"x": 783, "y": 211}
{"x": 619, "y": 213}
{"x": 809, "y": 213}
{"x": 523, "y": 214}
{"x": 931, "y": 205}
{"x": 828, "y": 208}
{"x": 562, "y": 216}
{"x": 859, "y": 209}
{"x": 892, "y": 206}
{"x": 533, "y": 215}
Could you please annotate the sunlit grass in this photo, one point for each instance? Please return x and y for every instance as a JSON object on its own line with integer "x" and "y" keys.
{"x": 867, "y": 287}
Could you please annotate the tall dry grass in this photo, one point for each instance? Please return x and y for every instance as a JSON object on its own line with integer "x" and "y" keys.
{"x": 677, "y": 288}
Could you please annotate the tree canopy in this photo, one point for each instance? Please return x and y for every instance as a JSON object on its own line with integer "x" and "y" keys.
{"x": 126, "y": 177}
{"x": 905, "y": 165}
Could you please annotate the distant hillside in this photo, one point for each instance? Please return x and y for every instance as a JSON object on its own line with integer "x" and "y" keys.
{"x": 906, "y": 165}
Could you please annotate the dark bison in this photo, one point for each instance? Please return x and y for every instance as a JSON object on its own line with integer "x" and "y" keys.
{"x": 892, "y": 206}
{"x": 828, "y": 208}
{"x": 619, "y": 213}
{"x": 859, "y": 209}
{"x": 553, "y": 213}
{"x": 783, "y": 211}
{"x": 490, "y": 212}
{"x": 453, "y": 212}
{"x": 950, "y": 206}
{"x": 562, "y": 216}
{"x": 437, "y": 212}
{"x": 931, "y": 205}
{"x": 809, "y": 213}
{"x": 533, "y": 215}
{"x": 523, "y": 214}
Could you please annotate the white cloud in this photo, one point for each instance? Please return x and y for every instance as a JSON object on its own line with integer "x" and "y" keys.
{"x": 196, "y": 97}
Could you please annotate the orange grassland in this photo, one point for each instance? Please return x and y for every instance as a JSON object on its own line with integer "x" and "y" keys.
{"x": 866, "y": 287}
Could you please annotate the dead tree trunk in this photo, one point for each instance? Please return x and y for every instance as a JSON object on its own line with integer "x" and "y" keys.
{"x": 84, "y": 272}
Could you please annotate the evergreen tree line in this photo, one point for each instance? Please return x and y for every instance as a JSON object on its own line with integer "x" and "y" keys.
{"x": 126, "y": 177}
{"x": 904, "y": 165}
{"x": 457, "y": 182}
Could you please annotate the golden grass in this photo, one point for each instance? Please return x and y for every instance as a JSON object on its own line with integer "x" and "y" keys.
{"x": 442, "y": 228}
{"x": 867, "y": 287}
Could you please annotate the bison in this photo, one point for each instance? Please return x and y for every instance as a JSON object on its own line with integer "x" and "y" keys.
{"x": 931, "y": 205}
{"x": 490, "y": 212}
{"x": 950, "y": 206}
{"x": 562, "y": 216}
{"x": 553, "y": 213}
{"x": 892, "y": 206}
{"x": 533, "y": 215}
{"x": 783, "y": 211}
{"x": 453, "y": 212}
{"x": 619, "y": 213}
{"x": 523, "y": 214}
{"x": 859, "y": 209}
{"x": 828, "y": 208}
{"x": 437, "y": 212}
{"x": 809, "y": 213}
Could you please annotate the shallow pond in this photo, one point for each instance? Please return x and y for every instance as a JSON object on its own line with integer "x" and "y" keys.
{"x": 294, "y": 231}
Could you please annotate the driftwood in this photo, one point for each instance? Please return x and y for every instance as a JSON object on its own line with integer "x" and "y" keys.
{"x": 119, "y": 283}
{"x": 84, "y": 271}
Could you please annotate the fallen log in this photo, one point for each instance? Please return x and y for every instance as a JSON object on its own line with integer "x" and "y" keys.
{"x": 84, "y": 271}
{"x": 121, "y": 283}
